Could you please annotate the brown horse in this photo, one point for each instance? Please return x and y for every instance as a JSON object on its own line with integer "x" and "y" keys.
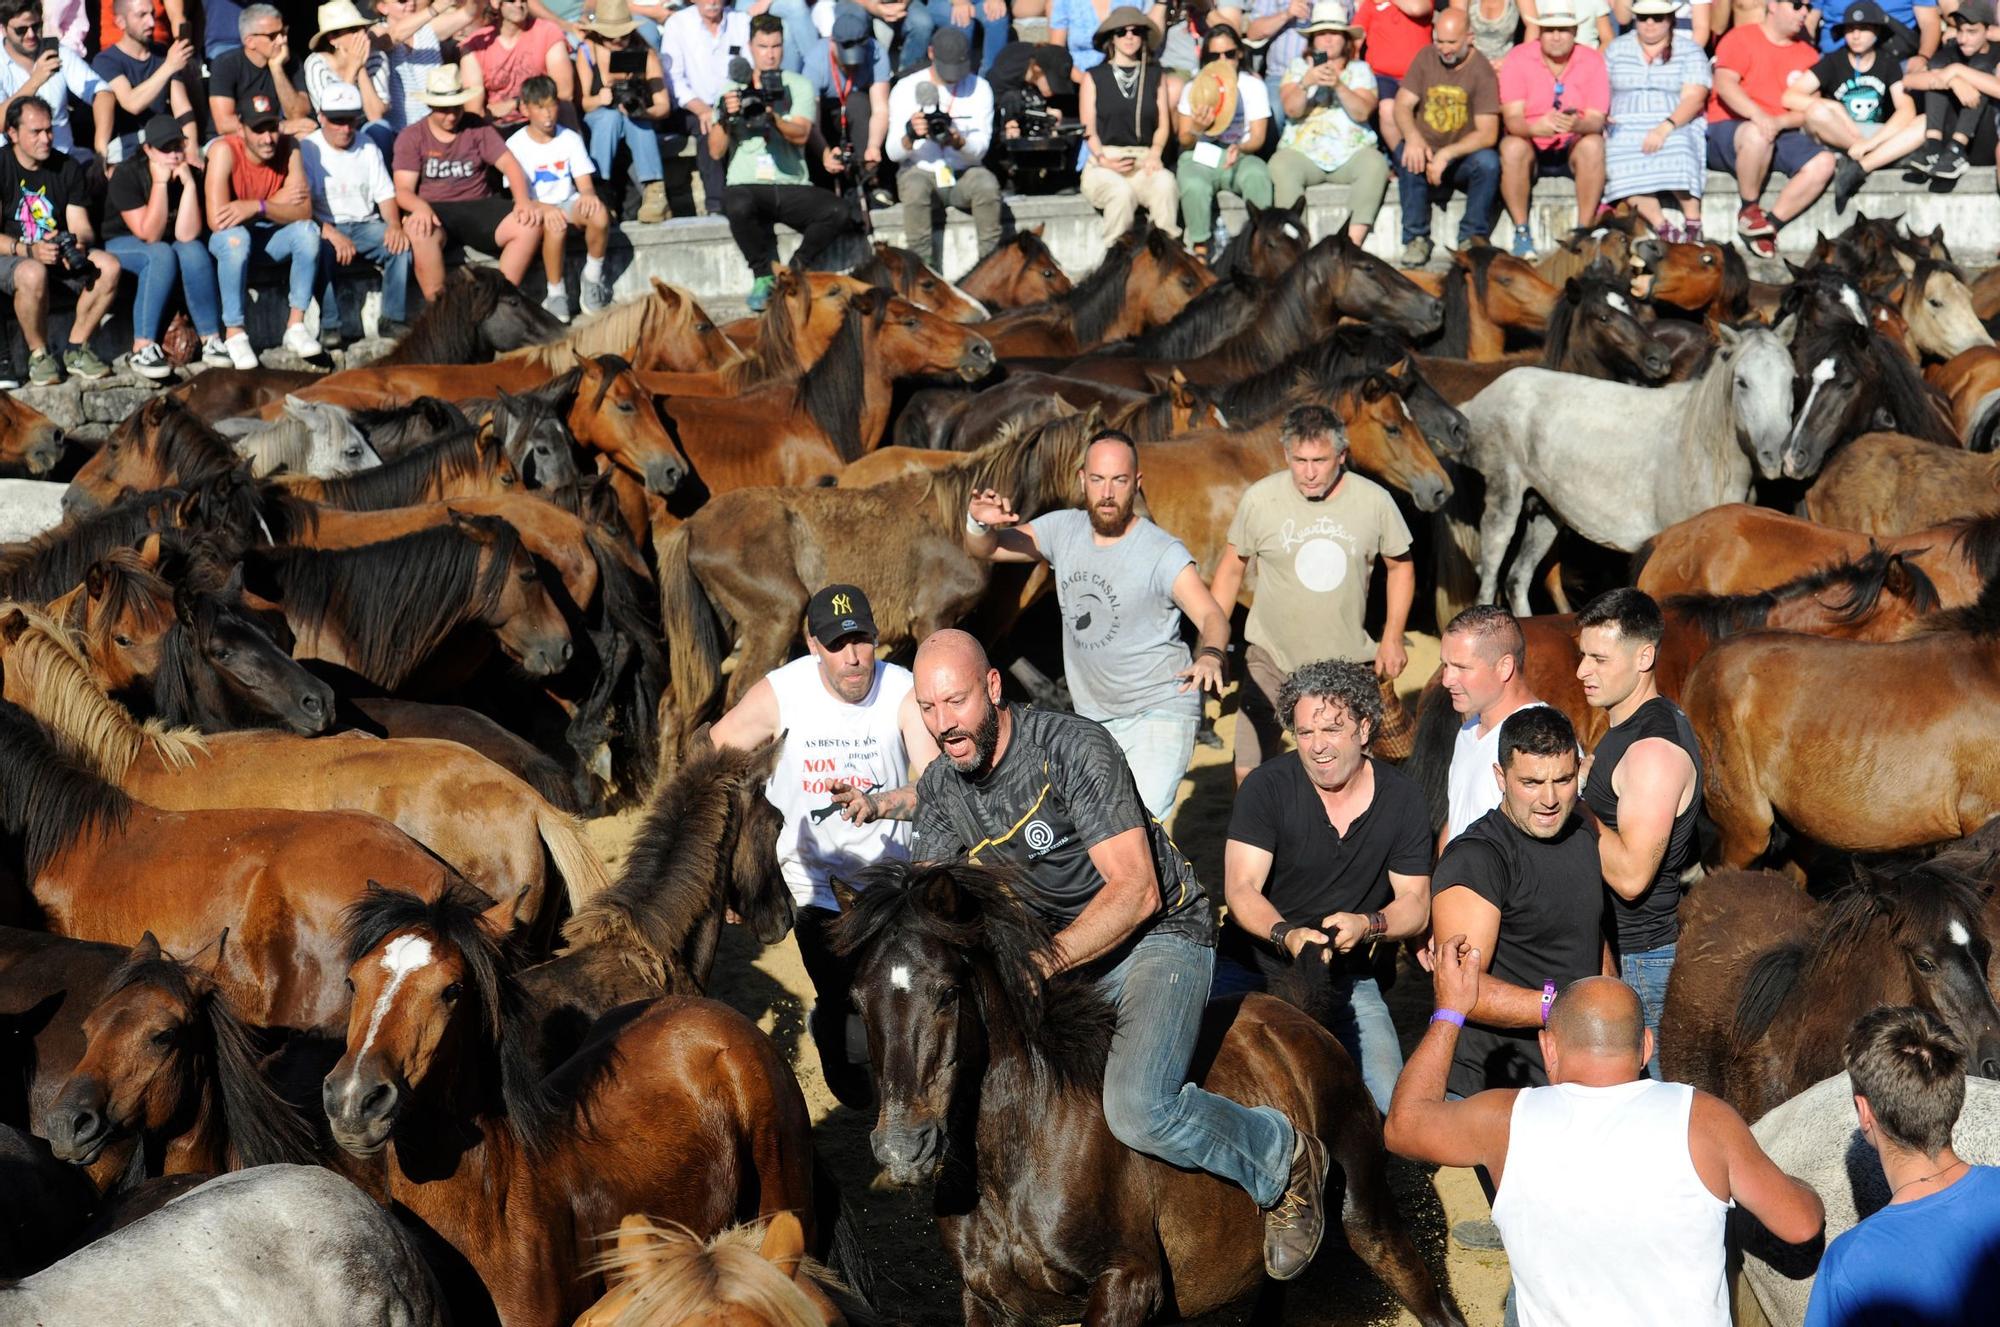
{"x": 974, "y": 418}
{"x": 969, "y": 1044}
{"x": 680, "y": 1108}
{"x": 1592, "y": 330}
{"x": 161, "y": 444}
{"x": 1145, "y": 279}
{"x": 1890, "y": 483}
{"x": 48, "y": 986}
{"x": 1971, "y": 381}
{"x": 1020, "y": 273}
{"x": 1487, "y": 293}
{"x": 1272, "y": 241}
{"x": 1611, "y": 239}
{"x": 30, "y": 443}
{"x": 1709, "y": 281}
{"x": 470, "y": 463}
{"x": 1937, "y": 307}
{"x": 804, "y": 313}
{"x": 1767, "y": 983}
{"x": 747, "y": 1276}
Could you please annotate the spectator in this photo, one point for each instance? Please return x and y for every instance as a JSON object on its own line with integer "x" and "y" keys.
{"x": 1594, "y": 27}
{"x": 696, "y": 45}
{"x": 37, "y": 67}
{"x": 1394, "y": 32}
{"x": 944, "y": 168}
{"x": 1125, "y": 126}
{"x": 1448, "y": 119}
{"x": 903, "y": 28}
{"x": 765, "y": 179}
{"x": 152, "y": 226}
{"x": 1928, "y": 1256}
{"x": 512, "y": 48}
{"x": 259, "y": 206}
{"x": 1279, "y": 26}
{"x": 1615, "y": 1189}
{"x": 1290, "y": 883}
{"x": 1554, "y": 99}
{"x": 1855, "y": 102}
{"x": 1180, "y": 55}
{"x": 1316, "y": 530}
{"x": 1957, "y": 90}
{"x": 560, "y": 174}
{"x": 416, "y": 33}
{"x": 624, "y": 97}
{"x": 1483, "y": 661}
{"x": 46, "y": 194}
{"x": 445, "y": 192}
{"x": 1220, "y": 140}
{"x": 354, "y": 205}
{"x": 1045, "y": 163}
{"x": 222, "y": 29}
{"x": 1749, "y": 129}
{"x": 1078, "y": 26}
{"x": 139, "y": 79}
{"x": 258, "y": 68}
{"x": 1329, "y": 98}
{"x": 344, "y": 55}
{"x": 850, "y": 73}
{"x": 1656, "y": 145}
{"x": 1494, "y": 25}
{"x": 989, "y": 17}
{"x": 1914, "y": 35}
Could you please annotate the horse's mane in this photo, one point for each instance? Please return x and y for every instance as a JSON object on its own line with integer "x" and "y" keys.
{"x": 1212, "y": 317}
{"x": 53, "y": 562}
{"x": 1862, "y": 580}
{"x": 1255, "y": 399}
{"x": 618, "y": 329}
{"x": 1920, "y": 410}
{"x": 74, "y": 709}
{"x": 262, "y": 1127}
{"x": 1594, "y": 282}
{"x": 1235, "y": 255}
{"x": 1295, "y": 313}
{"x": 776, "y": 356}
{"x": 977, "y": 913}
{"x": 633, "y": 613}
{"x": 677, "y": 1277}
{"x": 1706, "y": 426}
{"x": 406, "y": 480}
{"x": 1977, "y": 540}
{"x": 1023, "y": 458}
{"x": 434, "y": 416}
{"x": 1735, "y": 282}
{"x": 1094, "y": 303}
{"x": 48, "y": 798}
{"x": 186, "y": 446}
{"x": 236, "y": 505}
{"x": 1454, "y": 340}
{"x": 449, "y": 330}
{"x": 1981, "y": 617}
{"x": 834, "y": 391}
{"x": 283, "y": 444}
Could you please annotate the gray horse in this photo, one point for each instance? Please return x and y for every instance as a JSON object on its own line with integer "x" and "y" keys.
{"x": 310, "y": 438}
{"x": 1618, "y": 464}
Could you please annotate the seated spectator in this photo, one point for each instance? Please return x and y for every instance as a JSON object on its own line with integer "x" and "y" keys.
{"x": 1495, "y": 26}
{"x": 850, "y": 73}
{"x": 512, "y": 48}
{"x": 1075, "y": 26}
{"x": 69, "y": 26}
{"x": 152, "y": 226}
{"x": 560, "y": 173}
{"x": 1928, "y": 1256}
{"x": 766, "y": 180}
{"x": 259, "y": 206}
{"x": 939, "y": 163}
{"x": 696, "y": 46}
{"x": 1035, "y": 76}
{"x": 1855, "y": 102}
{"x": 222, "y": 30}
{"x": 1958, "y": 91}
{"x": 1220, "y": 140}
{"x": 415, "y": 33}
{"x": 1915, "y": 33}
{"x": 354, "y": 205}
{"x": 442, "y": 168}
{"x": 259, "y": 68}
{"x": 1125, "y": 125}
{"x": 904, "y": 28}
{"x": 141, "y": 79}
{"x": 1394, "y": 32}
{"x": 1448, "y": 114}
{"x": 624, "y": 97}
{"x": 46, "y": 195}
{"x": 1554, "y": 99}
{"x": 1329, "y": 100}
{"x": 344, "y": 55}
{"x": 1594, "y": 27}
{"x": 990, "y": 18}
{"x": 35, "y": 66}
{"x": 1656, "y": 145}
{"x": 1749, "y": 129}
{"x": 1180, "y": 56}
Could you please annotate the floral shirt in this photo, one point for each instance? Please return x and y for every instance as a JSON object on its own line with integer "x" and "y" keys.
{"x": 1328, "y": 135}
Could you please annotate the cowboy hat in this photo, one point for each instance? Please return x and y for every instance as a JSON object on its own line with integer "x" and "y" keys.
{"x": 1329, "y": 16}
{"x": 609, "y": 18}
{"x": 1212, "y": 96}
{"x": 1665, "y": 8}
{"x": 1556, "y": 14}
{"x": 443, "y": 88}
{"x": 1125, "y": 16}
{"x": 336, "y": 17}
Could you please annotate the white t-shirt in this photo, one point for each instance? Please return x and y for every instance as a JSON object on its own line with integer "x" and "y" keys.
{"x": 75, "y": 78}
{"x": 346, "y": 186}
{"x": 1253, "y": 103}
{"x": 1470, "y": 788}
{"x": 552, "y": 167}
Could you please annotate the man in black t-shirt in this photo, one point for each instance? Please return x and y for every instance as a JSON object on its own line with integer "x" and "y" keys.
{"x": 259, "y": 67}
{"x": 1521, "y": 884}
{"x": 1332, "y": 849}
{"x": 141, "y": 80}
{"x": 1957, "y": 94}
{"x": 46, "y": 195}
{"x": 1050, "y": 795}
{"x": 1854, "y": 101}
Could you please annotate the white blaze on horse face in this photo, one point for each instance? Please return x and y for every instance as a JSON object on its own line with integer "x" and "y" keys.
{"x": 899, "y": 976}
{"x": 1850, "y": 299}
{"x": 404, "y": 955}
{"x": 1959, "y": 935}
{"x": 1617, "y": 301}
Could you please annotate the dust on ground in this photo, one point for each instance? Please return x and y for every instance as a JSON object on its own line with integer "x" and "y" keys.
{"x": 915, "y": 1282}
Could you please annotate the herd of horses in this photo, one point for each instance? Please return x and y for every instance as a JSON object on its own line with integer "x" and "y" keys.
{"x": 307, "y": 681}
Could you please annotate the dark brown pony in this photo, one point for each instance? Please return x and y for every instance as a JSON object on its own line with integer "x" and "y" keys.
{"x": 1593, "y": 330}
{"x": 48, "y": 985}
{"x": 1890, "y": 483}
{"x": 30, "y": 442}
{"x": 1020, "y": 273}
{"x": 1146, "y": 278}
{"x": 1767, "y": 982}
{"x": 969, "y": 1044}
{"x": 1272, "y": 241}
{"x": 679, "y": 1108}
{"x": 1487, "y": 293}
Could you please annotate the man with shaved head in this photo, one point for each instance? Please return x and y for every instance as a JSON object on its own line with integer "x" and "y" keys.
{"x": 1613, "y": 1187}
{"x": 1050, "y": 795}
{"x": 1483, "y": 668}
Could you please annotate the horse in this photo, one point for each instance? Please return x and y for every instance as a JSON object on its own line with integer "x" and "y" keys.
{"x": 1618, "y": 464}
{"x": 1970, "y": 380}
{"x": 161, "y": 444}
{"x": 664, "y": 329}
{"x": 1936, "y": 303}
{"x": 1610, "y": 239}
{"x": 1027, "y": 397}
{"x": 1856, "y": 382}
{"x": 1707, "y": 281}
{"x": 48, "y": 985}
{"x": 1593, "y": 330}
{"x": 288, "y": 1246}
{"x": 1271, "y": 241}
{"x": 1211, "y": 318}
{"x": 539, "y": 444}
{"x": 1889, "y": 483}
{"x": 1487, "y": 293}
{"x": 471, "y": 463}
{"x": 747, "y": 1276}
{"x": 1020, "y": 273}
{"x": 680, "y": 1108}
{"x": 1766, "y": 983}
{"x": 30, "y": 442}
{"x": 1145, "y": 279}
{"x": 968, "y": 1041}
{"x": 308, "y": 438}
{"x": 394, "y": 429}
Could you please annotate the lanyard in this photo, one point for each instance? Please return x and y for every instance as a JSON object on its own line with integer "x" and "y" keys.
{"x": 842, "y": 85}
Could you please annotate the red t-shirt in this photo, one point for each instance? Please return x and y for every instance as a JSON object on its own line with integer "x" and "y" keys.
{"x": 1394, "y": 38}
{"x": 453, "y": 172}
{"x": 1764, "y": 67}
{"x": 504, "y": 70}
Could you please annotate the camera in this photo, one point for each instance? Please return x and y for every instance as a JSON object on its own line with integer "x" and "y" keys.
{"x": 1041, "y": 128}
{"x": 74, "y": 264}
{"x": 628, "y": 83}
{"x": 759, "y": 96}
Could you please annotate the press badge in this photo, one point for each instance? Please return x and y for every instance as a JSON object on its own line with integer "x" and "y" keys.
{"x": 767, "y": 170}
{"x": 1209, "y": 154}
{"x": 941, "y": 171}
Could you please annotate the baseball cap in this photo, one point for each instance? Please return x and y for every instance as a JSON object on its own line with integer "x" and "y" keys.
{"x": 263, "y": 110}
{"x": 340, "y": 99}
{"x": 1972, "y": 11}
{"x": 839, "y": 611}
{"x": 851, "y": 28}
{"x": 952, "y": 54}
{"x": 164, "y": 133}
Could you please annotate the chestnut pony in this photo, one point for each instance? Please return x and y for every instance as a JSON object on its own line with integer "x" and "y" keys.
{"x": 1019, "y": 273}
{"x": 30, "y": 443}
{"x": 1145, "y": 279}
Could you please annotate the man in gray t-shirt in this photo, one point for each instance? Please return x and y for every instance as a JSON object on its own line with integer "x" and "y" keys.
{"x": 1124, "y": 585}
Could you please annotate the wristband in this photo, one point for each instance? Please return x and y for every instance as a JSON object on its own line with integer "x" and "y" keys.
{"x": 1548, "y": 999}
{"x": 976, "y": 527}
{"x": 1378, "y": 926}
{"x": 1451, "y": 1016}
{"x": 1279, "y": 930}
{"x": 261, "y": 211}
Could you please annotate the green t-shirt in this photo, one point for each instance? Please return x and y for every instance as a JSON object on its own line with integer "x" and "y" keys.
{"x": 766, "y": 158}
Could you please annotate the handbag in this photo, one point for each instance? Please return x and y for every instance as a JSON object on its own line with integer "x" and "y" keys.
{"x": 181, "y": 344}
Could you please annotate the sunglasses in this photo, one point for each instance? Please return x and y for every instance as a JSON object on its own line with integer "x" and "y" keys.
{"x": 25, "y": 30}
{"x": 1233, "y": 53}
{"x": 347, "y": 121}
{"x": 1129, "y": 32}
{"x": 1653, "y": 18}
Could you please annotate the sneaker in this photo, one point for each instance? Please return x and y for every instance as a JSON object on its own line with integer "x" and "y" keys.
{"x": 44, "y": 370}
{"x": 301, "y": 343}
{"x": 82, "y": 363}
{"x": 1218, "y": 243}
{"x": 1950, "y": 163}
{"x": 760, "y": 294}
{"x": 556, "y": 304}
{"x": 596, "y": 294}
{"x": 151, "y": 362}
{"x": 8, "y": 382}
{"x": 1524, "y": 243}
{"x": 241, "y": 356}
{"x": 1293, "y": 1229}
{"x": 216, "y": 354}
{"x": 1847, "y": 180}
{"x": 653, "y": 203}
{"x": 1417, "y": 253}
{"x": 1753, "y": 222}
{"x": 1919, "y": 164}
{"x": 1478, "y": 1234}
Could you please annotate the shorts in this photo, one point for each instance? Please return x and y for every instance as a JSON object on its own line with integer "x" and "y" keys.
{"x": 475, "y": 223}
{"x": 1386, "y": 87}
{"x": 1553, "y": 161}
{"x": 1789, "y": 155}
{"x": 56, "y": 274}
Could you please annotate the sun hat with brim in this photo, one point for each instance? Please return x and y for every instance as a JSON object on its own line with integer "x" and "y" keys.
{"x": 1125, "y": 16}
{"x": 609, "y": 18}
{"x": 336, "y": 17}
{"x": 1212, "y": 96}
{"x": 444, "y": 90}
{"x": 1555, "y": 16}
{"x": 1656, "y": 8}
{"x": 1330, "y": 16}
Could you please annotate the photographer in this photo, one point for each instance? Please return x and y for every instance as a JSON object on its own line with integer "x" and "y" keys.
{"x": 850, "y": 72}
{"x": 47, "y": 237}
{"x": 944, "y": 120}
{"x": 1329, "y": 98}
{"x": 1035, "y": 122}
{"x": 624, "y": 95}
{"x": 1125, "y": 122}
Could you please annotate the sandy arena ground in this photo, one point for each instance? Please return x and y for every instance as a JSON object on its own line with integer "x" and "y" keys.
{"x": 915, "y": 1283}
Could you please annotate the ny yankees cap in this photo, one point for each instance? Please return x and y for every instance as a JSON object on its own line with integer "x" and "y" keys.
{"x": 838, "y": 611}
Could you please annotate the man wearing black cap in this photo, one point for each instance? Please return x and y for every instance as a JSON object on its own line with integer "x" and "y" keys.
{"x": 260, "y": 206}
{"x": 850, "y": 72}
{"x": 1957, "y": 94}
{"x": 854, "y": 745}
{"x": 1855, "y": 101}
{"x": 944, "y": 167}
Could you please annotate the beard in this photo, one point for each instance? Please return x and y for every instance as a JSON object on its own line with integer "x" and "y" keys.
{"x": 985, "y": 741}
{"x": 1115, "y": 523}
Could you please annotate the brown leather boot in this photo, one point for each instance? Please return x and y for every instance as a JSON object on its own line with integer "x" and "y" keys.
{"x": 1292, "y": 1229}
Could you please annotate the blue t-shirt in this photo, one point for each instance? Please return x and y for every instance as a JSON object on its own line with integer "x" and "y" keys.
{"x": 1903, "y": 11}
{"x": 1934, "y": 1262}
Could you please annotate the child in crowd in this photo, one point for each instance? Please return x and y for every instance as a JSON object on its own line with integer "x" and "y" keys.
{"x": 562, "y": 180}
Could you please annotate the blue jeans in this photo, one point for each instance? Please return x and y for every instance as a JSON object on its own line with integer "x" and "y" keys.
{"x": 917, "y": 26}
{"x": 295, "y": 244}
{"x": 1360, "y": 1022}
{"x": 992, "y": 31}
{"x": 1646, "y": 973}
{"x": 1160, "y": 988}
{"x": 158, "y": 265}
{"x": 1158, "y": 744}
{"x": 801, "y": 37}
{"x": 607, "y": 127}
{"x": 370, "y": 246}
{"x": 1477, "y": 173}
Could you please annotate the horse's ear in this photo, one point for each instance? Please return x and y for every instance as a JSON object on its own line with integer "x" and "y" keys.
{"x": 1375, "y": 387}
{"x": 1037, "y": 229}
{"x": 784, "y": 1243}
{"x": 148, "y": 948}
{"x": 148, "y": 550}
{"x": 846, "y": 895}
{"x": 294, "y": 406}
{"x": 1787, "y": 329}
{"x": 93, "y": 581}
{"x": 211, "y": 966}
{"x": 232, "y": 588}
{"x": 637, "y": 1250}
{"x": 1254, "y": 211}
{"x": 468, "y": 526}
{"x": 1795, "y": 269}
{"x": 1298, "y": 209}
{"x": 1896, "y": 577}
{"x": 13, "y": 622}
{"x": 1572, "y": 291}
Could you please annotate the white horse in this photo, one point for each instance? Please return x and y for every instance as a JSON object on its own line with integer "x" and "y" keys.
{"x": 310, "y": 438}
{"x": 28, "y": 507}
{"x": 1619, "y": 464}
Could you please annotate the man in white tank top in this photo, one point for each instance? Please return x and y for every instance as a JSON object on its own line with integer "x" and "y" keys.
{"x": 1484, "y": 659}
{"x": 1612, "y": 1187}
{"x": 845, "y": 782}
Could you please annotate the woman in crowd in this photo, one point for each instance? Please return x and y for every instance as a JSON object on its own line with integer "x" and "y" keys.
{"x": 152, "y": 226}
{"x": 415, "y": 32}
{"x": 1654, "y": 145}
{"x": 609, "y": 31}
{"x": 343, "y": 51}
{"x": 1329, "y": 98}
{"x": 1125, "y": 125}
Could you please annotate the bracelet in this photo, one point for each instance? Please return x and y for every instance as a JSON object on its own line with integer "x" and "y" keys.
{"x": 1548, "y": 999}
{"x": 1451, "y": 1016}
{"x": 261, "y": 209}
{"x": 1279, "y": 930}
{"x": 976, "y": 527}
{"x": 1378, "y": 926}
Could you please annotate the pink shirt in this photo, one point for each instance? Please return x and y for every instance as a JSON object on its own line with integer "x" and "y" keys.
{"x": 505, "y": 71}
{"x": 1525, "y": 77}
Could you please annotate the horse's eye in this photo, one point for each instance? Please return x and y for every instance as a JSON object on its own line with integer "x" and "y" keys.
{"x": 124, "y": 641}
{"x": 163, "y": 1038}
{"x": 625, "y": 407}
{"x": 704, "y": 327}
{"x": 222, "y": 656}
{"x": 910, "y": 323}
{"x": 1708, "y": 259}
{"x": 350, "y": 985}
{"x": 928, "y": 283}
{"x": 451, "y": 993}
{"x": 529, "y": 576}
{"x": 111, "y": 447}
{"x": 1925, "y": 965}
{"x": 1935, "y": 304}
{"x": 1187, "y": 283}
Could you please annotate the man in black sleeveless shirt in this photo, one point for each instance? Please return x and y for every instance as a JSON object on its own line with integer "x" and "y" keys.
{"x": 1643, "y": 785}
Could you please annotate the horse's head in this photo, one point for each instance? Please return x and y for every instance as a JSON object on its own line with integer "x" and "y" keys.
{"x": 912, "y": 278}
{"x": 122, "y": 613}
{"x": 507, "y": 320}
{"x": 747, "y": 1276}
{"x": 1164, "y": 278}
{"x": 909, "y": 341}
{"x": 1444, "y": 424}
{"x": 612, "y": 414}
{"x": 682, "y": 337}
{"x": 534, "y": 435}
{"x": 513, "y": 602}
{"x": 28, "y": 438}
{"x": 244, "y": 663}
{"x": 1384, "y": 439}
{"x": 1272, "y": 244}
{"x": 127, "y": 461}
{"x": 1372, "y": 290}
{"x": 1515, "y": 295}
{"x": 1837, "y": 396}
{"x": 1938, "y": 950}
{"x": 1759, "y": 363}
{"x": 1938, "y": 308}
{"x": 1687, "y": 276}
{"x": 1606, "y": 328}
{"x": 335, "y": 446}
{"x": 1037, "y": 277}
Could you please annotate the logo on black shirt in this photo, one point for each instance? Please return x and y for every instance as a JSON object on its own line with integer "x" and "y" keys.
{"x": 1038, "y": 836}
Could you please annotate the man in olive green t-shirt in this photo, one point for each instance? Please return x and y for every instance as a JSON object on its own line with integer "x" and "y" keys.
{"x": 1316, "y": 530}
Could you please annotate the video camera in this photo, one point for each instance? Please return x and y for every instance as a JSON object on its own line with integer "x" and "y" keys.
{"x": 760, "y": 96}
{"x": 628, "y": 83}
{"x": 1041, "y": 128}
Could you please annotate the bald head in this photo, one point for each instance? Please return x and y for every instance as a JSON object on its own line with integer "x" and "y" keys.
{"x": 950, "y": 649}
{"x": 1449, "y": 35}
{"x": 958, "y": 695}
{"x": 1599, "y": 1017}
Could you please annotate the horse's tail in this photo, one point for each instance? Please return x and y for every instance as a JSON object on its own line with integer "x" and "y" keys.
{"x": 582, "y": 870}
{"x": 845, "y": 1256}
{"x": 1429, "y": 761}
{"x": 1639, "y": 560}
{"x": 1773, "y": 977}
{"x": 692, "y": 630}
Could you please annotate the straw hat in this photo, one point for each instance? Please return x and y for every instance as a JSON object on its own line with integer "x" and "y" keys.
{"x": 1666, "y": 7}
{"x": 1330, "y": 16}
{"x": 1212, "y": 96}
{"x": 444, "y": 89}
{"x": 336, "y": 17}
{"x": 1126, "y": 16}
{"x": 609, "y": 18}
{"x": 1556, "y": 14}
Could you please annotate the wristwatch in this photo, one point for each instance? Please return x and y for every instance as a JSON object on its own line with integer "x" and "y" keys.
{"x": 1279, "y": 930}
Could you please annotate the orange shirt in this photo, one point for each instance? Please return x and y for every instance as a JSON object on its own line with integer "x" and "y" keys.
{"x": 1764, "y": 66}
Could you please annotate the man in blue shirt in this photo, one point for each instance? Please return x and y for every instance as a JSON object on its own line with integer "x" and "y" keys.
{"x": 1932, "y": 1256}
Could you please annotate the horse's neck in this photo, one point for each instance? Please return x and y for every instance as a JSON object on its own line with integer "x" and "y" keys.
{"x": 878, "y": 390}
{"x": 1484, "y": 339}
{"x": 202, "y": 1145}
{"x": 1714, "y": 469}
